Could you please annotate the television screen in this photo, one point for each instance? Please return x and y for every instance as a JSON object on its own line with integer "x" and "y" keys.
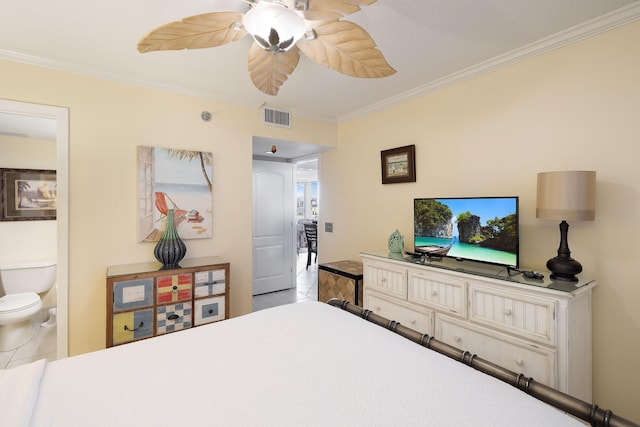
{"x": 483, "y": 229}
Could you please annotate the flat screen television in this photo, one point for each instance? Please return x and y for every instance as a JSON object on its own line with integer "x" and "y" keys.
{"x": 483, "y": 229}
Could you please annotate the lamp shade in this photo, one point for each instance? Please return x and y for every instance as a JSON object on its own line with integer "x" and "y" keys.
{"x": 566, "y": 195}
{"x": 267, "y": 19}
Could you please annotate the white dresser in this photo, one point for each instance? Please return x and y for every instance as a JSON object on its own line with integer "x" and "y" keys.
{"x": 539, "y": 328}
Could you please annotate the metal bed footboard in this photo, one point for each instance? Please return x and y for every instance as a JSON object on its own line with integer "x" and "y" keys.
{"x": 588, "y": 412}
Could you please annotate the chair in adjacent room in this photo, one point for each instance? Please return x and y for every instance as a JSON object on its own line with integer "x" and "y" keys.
{"x": 311, "y": 233}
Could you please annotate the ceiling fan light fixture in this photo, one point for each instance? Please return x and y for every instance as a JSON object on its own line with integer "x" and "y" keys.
{"x": 274, "y": 26}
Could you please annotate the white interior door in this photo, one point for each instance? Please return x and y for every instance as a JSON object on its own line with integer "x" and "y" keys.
{"x": 273, "y": 208}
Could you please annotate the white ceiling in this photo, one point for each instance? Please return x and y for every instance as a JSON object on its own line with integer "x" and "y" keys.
{"x": 431, "y": 43}
{"x": 16, "y": 125}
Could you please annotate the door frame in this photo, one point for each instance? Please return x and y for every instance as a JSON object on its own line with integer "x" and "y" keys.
{"x": 61, "y": 115}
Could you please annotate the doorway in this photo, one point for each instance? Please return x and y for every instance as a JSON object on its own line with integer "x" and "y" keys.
{"x": 307, "y": 202}
{"x": 38, "y": 115}
{"x": 306, "y": 206}
{"x": 301, "y": 158}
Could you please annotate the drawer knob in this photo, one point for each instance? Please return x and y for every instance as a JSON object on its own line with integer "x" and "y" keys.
{"x": 457, "y": 338}
{"x": 434, "y": 293}
{"x": 413, "y": 322}
{"x": 507, "y": 312}
{"x": 384, "y": 279}
{"x": 376, "y": 308}
{"x": 519, "y": 362}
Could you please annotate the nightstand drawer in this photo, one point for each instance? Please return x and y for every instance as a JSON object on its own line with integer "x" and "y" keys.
{"x": 419, "y": 321}
{"x": 521, "y": 314}
{"x": 385, "y": 279}
{"x": 438, "y": 291}
{"x": 515, "y": 355}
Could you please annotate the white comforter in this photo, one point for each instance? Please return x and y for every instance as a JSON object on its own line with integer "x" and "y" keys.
{"x": 305, "y": 364}
{"x": 18, "y": 393}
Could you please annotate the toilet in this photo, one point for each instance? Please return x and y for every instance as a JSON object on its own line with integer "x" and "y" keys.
{"x": 21, "y": 285}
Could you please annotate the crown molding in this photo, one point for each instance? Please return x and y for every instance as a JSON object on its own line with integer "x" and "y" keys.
{"x": 68, "y": 67}
{"x": 593, "y": 27}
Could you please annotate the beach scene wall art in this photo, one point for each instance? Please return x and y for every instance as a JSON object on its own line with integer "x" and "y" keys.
{"x": 27, "y": 194}
{"x": 180, "y": 180}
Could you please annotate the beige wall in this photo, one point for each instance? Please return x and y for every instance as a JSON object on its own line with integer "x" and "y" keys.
{"x": 27, "y": 240}
{"x": 572, "y": 109}
{"x": 108, "y": 121}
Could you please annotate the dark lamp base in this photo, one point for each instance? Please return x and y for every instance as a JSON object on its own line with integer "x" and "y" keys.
{"x": 564, "y": 268}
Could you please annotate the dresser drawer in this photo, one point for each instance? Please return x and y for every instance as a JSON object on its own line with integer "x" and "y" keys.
{"x": 385, "y": 278}
{"x": 419, "y": 321}
{"x": 132, "y": 294}
{"x": 515, "y": 355}
{"x": 174, "y": 288}
{"x": 521, "y": 314}
{"x": 438, "y": 291}
{"x": 173, "y": 317}
{"x": 211, "y": 282}
{"x": 209, "y": 310}
{"x": 132, "y": 326}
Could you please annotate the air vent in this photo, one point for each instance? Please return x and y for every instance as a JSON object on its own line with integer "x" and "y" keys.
{"x": 277, "y": 117}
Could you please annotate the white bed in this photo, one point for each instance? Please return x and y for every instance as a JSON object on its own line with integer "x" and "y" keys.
{"x": 305, "y": 364}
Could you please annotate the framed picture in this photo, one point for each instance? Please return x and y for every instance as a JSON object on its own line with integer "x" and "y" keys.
{"x": 176, "y": 179}
{"x": 27, "y": 194}
{"x": 399, "y": 164}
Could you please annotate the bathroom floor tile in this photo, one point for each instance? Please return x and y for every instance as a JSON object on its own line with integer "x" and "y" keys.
{"x": 43, "y": 345}
{"x": 43, "y": 342}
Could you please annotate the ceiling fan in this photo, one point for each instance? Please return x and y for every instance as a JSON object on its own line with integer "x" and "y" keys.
{"x": 281, "y": 29}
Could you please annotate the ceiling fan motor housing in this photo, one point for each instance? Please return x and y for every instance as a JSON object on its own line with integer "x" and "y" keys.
{"x": 274, "y": 26}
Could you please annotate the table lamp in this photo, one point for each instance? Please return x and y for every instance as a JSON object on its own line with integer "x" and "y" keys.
{"x": 566, "y": 196}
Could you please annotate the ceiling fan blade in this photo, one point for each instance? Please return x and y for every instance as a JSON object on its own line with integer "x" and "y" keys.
{"x": 195, "y": 32}
{"x": 269, "y": 70}
{"x": 332, "y": 9}
{"x": 347, "y": 48}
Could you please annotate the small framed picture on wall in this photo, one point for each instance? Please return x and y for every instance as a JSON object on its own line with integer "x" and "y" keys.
{"x": 27, "y": 194}
{"x": 398, "y": 164}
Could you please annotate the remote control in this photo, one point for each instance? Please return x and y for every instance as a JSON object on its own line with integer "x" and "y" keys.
{"x": 413, "y": 254}
{"x": 532, "y": 274}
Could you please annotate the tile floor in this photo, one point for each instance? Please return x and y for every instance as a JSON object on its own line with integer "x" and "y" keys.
{"x": 43, "y": 343}
{"x": 306, "y": 289}
{"x": 41, "y": 346}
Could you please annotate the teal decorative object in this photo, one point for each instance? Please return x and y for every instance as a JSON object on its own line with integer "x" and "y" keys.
{"x": 396, "y": 242}
{"x": 170, "y": 249}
